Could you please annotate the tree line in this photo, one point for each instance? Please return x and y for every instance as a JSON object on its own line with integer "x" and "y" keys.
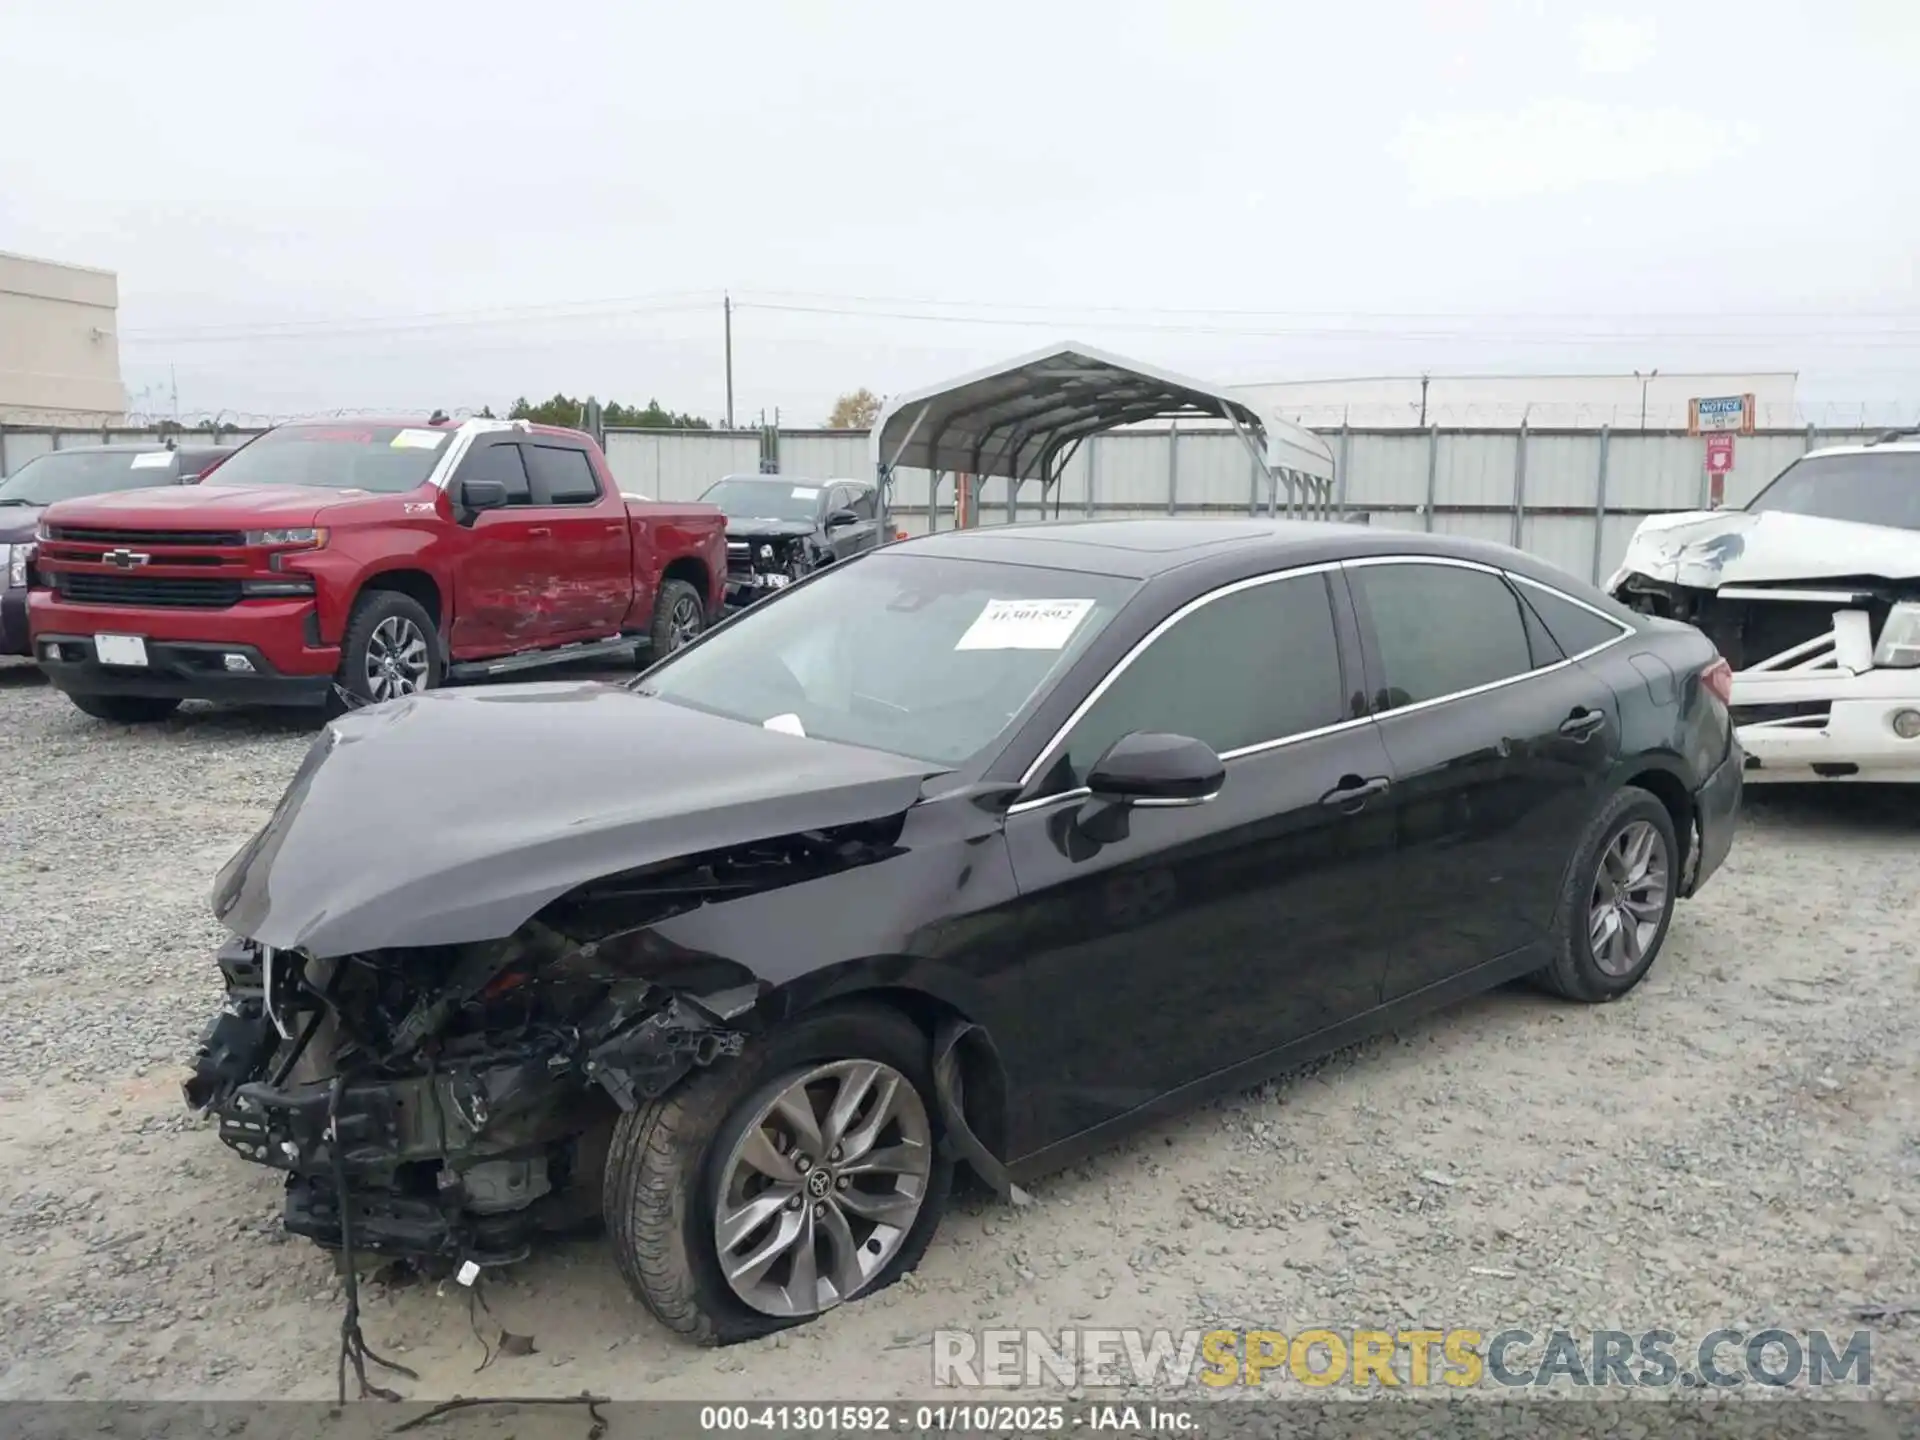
{"x": 855, "y": 410}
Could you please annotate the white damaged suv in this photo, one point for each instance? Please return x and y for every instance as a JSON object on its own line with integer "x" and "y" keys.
{"x": 1812, "y": 593}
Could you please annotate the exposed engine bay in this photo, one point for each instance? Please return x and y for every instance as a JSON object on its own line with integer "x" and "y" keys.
{"x": 458, "y": 1098}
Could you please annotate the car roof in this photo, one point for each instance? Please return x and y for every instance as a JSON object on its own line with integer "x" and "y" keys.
{"x": 783, "y": 479}
{"x": 1143, "y": 549}
{"x": 1885, "y": 447}
{"x": 117, "y": 447}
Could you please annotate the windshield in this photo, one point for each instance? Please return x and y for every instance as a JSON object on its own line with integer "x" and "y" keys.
{"x": 1868, "y": 489}
{"x": 921, "y": 655}
{"x": 385, "y": 458}
{"x": 787, "y": 499}
{"x": 69, "y": 474}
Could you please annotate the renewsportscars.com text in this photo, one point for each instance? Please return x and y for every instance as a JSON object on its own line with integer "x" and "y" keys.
{"x": 1456, "y": 1359}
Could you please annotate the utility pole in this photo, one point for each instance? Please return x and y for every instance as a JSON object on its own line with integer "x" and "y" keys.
{"x": 726, "y": 302}
{"x": 1644, "y": 380}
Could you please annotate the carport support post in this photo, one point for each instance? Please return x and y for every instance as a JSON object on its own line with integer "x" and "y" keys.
{"x": 1433, "y": 473}
{"x": 885, "y": 478}
{"x": 1173, "y": 466}
{"x": 1600, "y": 502}
{"x": 1093, "y": 470}
{"x": 1519, "y": 486}
{"x": 1340, "y": 480}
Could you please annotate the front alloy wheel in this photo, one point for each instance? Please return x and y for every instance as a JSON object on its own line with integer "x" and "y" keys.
{"x": 822, "y": 1187}
{"x": 397, "y": 658}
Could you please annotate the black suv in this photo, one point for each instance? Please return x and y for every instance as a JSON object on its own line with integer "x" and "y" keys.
{"x": 781, "y": 528}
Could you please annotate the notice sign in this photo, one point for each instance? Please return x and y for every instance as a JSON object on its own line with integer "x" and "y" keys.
{"x": 1729, "y": 414}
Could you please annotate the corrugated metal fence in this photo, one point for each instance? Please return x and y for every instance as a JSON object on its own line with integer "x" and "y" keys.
{"x": 1572, "y": 497}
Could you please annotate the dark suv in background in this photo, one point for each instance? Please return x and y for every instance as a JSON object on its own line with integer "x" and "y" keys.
{"x": 782, "y": 528}
{"x": 71, "y": 475}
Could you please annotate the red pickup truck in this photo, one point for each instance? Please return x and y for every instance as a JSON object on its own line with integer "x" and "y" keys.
{"x": 347, "y": 562}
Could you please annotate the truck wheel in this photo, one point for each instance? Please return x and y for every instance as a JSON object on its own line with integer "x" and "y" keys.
{"x": 125, "y": 709}
{"x": 391, "y": 649}
{"x": 766, "y": 1190}
{"x": 679, "y": 616}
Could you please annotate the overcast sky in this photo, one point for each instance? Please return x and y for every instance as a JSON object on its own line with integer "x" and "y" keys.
{"x": 353, "y": 205}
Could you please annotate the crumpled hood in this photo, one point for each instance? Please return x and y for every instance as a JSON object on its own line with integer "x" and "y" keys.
{"x": 19, "y": 522}
{"x": 1706, "y": 549}
{"x": 456, "y": 815}
{"x": 767, "y": 529}
{"x": 204, "y": 507}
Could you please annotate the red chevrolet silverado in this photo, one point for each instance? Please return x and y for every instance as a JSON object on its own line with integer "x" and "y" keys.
{"x": 347, "y": 562}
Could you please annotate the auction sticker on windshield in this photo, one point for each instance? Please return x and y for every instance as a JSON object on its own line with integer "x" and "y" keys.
{"x": 806, "y": 492}
{"x": 1024, "y": 625}
{"x": 153, "y": 460}
{"x": 418, "y": 439}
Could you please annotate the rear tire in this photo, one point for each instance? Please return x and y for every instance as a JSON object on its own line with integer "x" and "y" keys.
{"x": 679, "y": 618}
{"x": 671, "y": 1158}
{"x": 1616, "y": 902}
{"x": 125, "y": 709}
{"x": 392, "y": 648}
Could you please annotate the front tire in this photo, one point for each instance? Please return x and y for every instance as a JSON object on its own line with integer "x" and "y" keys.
{"x": 125, "y": 709}
{"x": 1616, "y": 901}
{"x": 726, "y": 1226}
{"x": 392, "y": 648}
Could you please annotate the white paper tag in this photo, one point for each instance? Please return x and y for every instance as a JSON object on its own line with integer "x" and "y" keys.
{"x": 1024, "y": 625}
{"x": 806, "y": 492}
{"x": 153, "y": 460}
{"x": 468, "y": 1273}
{"x": 788, "y": 724}
{"x": 419, "y": 439}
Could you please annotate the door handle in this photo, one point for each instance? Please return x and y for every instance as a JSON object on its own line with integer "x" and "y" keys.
{"x": 1582, "y": 723}
{"x": 1353, "y": 792}
{"x": 538, "y": 532}
{"x": 616, "y": 529}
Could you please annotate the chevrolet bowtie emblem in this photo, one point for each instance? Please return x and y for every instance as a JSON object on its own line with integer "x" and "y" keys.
{"x": 125, "y": 559}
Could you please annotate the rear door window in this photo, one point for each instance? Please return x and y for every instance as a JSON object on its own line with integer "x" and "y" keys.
{"x": 562, "y": 476}
{"x": 1437, "y": 630}
{"x": 1576, "y": 628}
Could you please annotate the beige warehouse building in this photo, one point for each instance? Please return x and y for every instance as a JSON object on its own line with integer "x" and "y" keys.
{"x": 59, "y": 344}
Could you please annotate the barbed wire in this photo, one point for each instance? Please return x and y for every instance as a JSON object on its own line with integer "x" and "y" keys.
{"x": 1836, "y": 415}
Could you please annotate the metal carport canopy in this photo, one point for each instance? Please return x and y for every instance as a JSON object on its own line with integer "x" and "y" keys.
{"x": 1024, "y": 417}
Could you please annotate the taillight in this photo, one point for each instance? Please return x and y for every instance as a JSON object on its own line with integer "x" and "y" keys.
{"x": 1718, "y": 678}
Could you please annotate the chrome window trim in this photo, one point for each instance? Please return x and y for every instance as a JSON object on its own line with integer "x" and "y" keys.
{"x": 1139, "y": 647}
{"x": 1081, "y": 792}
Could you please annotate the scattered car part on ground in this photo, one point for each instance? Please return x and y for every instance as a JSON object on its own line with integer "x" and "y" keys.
{"x": 1812, "y": 592}
{"x": 746, "y": 954}
{"x": 66, "y": 475}
{"x": 781, "y": 528}
{"x": 347, "y": 562}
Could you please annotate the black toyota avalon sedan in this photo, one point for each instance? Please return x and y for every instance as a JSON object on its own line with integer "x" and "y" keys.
{"x": 979, "y": 849}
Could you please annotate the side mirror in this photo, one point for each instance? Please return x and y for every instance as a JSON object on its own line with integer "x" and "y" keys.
{"x": 838, "y": 518}
{"x": 482, "y": 495}
{"x": 1151, "y": 769}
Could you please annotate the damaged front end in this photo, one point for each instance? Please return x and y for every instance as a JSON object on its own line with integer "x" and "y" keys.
{"x": 458, "y": 1098}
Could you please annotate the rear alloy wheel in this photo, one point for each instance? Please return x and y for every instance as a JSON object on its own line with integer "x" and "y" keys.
{"x": 765, "y": 1190}
{"x": 1616, "y": 902}
{"x": 679, "y": 618}
{"x": 391, "y": 649}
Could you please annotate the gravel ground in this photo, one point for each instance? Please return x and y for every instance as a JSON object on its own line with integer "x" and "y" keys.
{"x": 1736, "y": 1145}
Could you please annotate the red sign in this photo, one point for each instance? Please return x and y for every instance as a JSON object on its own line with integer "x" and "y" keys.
{"x": 1719, "y": 454}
